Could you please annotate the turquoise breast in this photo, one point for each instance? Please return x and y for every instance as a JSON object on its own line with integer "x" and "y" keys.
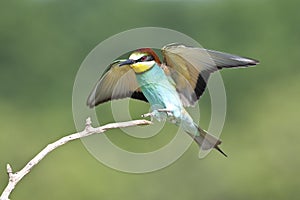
{"x": 158, "y": 90}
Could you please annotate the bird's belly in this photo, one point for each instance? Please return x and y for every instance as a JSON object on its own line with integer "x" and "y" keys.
{"x": 159, "y": 92}
{"x": 153, "y": 96}
{"x": 163, "y": 96}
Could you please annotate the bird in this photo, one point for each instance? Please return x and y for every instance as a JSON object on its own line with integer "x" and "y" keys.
{"x": 168, "y": 85}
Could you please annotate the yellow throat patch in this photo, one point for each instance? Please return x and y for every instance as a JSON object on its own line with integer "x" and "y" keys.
{"x": 141, "y": 67}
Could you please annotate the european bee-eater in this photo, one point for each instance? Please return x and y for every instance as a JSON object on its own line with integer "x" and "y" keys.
{"x": 168, "y": 86}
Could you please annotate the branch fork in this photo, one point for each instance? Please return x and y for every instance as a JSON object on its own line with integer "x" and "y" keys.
{"x": 14, "y": 178}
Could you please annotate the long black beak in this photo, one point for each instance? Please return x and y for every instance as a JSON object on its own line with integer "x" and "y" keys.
{"x": 127, "y": 62}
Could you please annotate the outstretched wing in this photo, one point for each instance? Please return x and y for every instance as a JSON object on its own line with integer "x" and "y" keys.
{"x": 116, "y": 83}
{"x": 190, "y": 68}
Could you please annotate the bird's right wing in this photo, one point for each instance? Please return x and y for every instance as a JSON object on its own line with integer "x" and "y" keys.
{"x": 117, "y": 82}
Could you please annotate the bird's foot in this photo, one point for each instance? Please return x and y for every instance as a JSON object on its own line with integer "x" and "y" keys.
{"x": 150, "y": 114}
{"x": 159, "y": 114}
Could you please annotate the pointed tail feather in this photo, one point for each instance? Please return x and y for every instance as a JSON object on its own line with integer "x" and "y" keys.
{"x": 207, "y": 141}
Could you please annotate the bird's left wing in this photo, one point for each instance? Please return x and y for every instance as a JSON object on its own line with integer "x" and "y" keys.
{"x": 116, "y": 83}
{"x": 190, "y": 68}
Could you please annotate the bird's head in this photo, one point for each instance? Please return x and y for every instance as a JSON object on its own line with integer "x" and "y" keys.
{"x": 142, "y": 60}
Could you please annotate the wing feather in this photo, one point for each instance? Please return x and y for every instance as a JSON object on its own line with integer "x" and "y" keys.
{"x": 116, "y": 83}
{"x": 190, "y": 68}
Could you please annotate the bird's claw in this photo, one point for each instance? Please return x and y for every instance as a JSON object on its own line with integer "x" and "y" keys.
{"x": 148, "y": 115}
{"x": 159, "y": 114}
{"x": 167, "y": 111}
{"x": 152, "y": 115}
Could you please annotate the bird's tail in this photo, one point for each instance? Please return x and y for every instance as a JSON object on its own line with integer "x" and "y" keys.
{"x": 207, "y": 141}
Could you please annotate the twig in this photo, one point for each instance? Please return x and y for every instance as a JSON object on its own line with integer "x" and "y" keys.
{"x": 15, "y": 177}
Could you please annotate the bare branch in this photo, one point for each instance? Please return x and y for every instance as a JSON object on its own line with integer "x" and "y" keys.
{"x": 14, "y": 178}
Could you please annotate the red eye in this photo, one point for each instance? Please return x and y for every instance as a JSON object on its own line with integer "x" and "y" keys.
{"x": 144, "y": 58}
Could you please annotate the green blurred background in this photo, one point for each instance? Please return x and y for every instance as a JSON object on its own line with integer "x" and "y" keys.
{"x": 43, "y": 44}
